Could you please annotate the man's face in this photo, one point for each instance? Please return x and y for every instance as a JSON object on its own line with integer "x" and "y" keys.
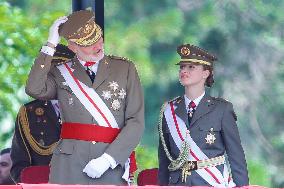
{"x": 93, "y": 52}
{"x": 5, "y": 166}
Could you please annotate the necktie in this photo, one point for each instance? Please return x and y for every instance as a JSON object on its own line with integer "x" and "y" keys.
{"x": 91, "y": 74}
{"x": 191, "y": 110}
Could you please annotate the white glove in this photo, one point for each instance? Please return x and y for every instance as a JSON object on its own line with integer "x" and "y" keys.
{"x": 96, "y": 167}
{"x": 54, "y": 37}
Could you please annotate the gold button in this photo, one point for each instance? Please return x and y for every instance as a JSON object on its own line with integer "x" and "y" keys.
{"x": 94, "y": 142}
{"x": 42, "y": 65}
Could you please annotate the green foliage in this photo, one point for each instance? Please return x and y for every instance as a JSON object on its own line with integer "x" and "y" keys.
{"x": 258, "y": 174}
{"x": 22, "y": 35}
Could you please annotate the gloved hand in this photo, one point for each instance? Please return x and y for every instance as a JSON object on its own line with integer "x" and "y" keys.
{"x": 54, "y": 37}
{"x": 96, "y": 167}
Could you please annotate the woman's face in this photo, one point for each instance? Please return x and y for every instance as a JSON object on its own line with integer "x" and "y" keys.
{"x": 192, "y": 74}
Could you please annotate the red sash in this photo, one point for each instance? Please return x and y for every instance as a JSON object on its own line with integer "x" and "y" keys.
{"x": 91, "y": 132}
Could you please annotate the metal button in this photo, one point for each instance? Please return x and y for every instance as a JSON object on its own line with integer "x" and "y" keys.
{"x": 41, "y": 133}
{"x": 94, "y": 142}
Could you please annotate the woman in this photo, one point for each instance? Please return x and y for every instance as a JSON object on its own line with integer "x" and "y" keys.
{"x": 196, "y": 130}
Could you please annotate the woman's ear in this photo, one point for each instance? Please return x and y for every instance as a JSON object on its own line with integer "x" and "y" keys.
{"x": 206, "y": 74}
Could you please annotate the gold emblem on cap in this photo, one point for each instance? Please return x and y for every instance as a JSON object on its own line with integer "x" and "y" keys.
{"x": 39, "y": 111}
{"x": 185, "y": 51}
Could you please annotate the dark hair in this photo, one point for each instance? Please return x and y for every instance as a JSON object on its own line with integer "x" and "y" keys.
{"x": 5, "y": 151}
{"x": 210, "y": 79}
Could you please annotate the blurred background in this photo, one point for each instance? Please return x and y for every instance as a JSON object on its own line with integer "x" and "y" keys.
{"x": 246, "y": 36}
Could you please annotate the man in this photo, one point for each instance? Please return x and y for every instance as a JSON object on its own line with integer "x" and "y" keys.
{"x": 101, "y": 102}
{"x": 196, "y": 130}
{"x": 5, "y": 166}
{"x": 37, "y": 128}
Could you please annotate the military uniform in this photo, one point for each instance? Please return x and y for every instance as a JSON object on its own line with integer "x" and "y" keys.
{"x": 194, "y": 140}
{"x": 37, "y": 130}
{"x": 118, "y": 86}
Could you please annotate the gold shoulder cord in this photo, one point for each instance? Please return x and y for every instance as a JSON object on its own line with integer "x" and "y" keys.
{"x": 37, "y": 147}
{"x": 185, "y": 147}
{"x": 20, "y": 130}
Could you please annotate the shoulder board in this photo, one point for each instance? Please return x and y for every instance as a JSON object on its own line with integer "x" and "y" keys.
{"x": 119, "y": 58}
{"x": 32, "y": 103}
{"x": 220, "y": 99}
{"x": 60, "y": 60}
{"x": 176, "y": 99}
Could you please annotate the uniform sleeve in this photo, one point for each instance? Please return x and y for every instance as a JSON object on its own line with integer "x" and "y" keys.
{"x": 163, "y": 173}
{"x": 131, "y": 133}
{"x": 19, "y": 153}
{"x": 41, "y": 84}
{"x": 234, "y": 148}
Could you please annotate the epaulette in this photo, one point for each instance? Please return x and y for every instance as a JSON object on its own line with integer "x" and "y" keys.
{"x": 31, "y": 103}
{"x": 176, "y": 99}
{"x": 119, "y": 58}
{"x": 220, "y": 99}
{"x": 62, "y": 55}
{"x": 59, "y": 60}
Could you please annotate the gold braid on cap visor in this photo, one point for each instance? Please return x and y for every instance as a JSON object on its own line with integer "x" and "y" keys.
{"x": 84, "y": 41}
{"x": 196, "y": 61}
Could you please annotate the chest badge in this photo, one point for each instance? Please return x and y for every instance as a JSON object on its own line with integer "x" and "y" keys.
{"x": 39, "y": 111}
{"x": 210, "y": 138}
{"x": 115, "y": 94}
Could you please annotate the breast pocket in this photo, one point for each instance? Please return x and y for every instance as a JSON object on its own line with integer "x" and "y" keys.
{"x": 210, "y": 136}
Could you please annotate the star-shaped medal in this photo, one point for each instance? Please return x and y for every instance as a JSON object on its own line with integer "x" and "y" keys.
{"x": 113, "y": 85}
{"x": 210, "y": 138}
{"x": 107, "y": 95}
{"x": 121, "y": 94}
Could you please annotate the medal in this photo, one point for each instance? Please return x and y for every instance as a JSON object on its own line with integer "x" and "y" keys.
{"x": 210, "y": 138}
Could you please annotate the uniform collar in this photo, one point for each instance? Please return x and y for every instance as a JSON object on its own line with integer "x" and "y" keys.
{"x": 94, "y": 68}
{"x": 196, "y": 101}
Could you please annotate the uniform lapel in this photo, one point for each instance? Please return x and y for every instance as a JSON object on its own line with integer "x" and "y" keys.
{"x": 204, "y": 107}
{"x": 181, "y": 110}
{"x": 102, "y": 73}
{"x": 80, "y": 72}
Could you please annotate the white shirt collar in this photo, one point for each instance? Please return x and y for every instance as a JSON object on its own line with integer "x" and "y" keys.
{"x": 196, "y": 101}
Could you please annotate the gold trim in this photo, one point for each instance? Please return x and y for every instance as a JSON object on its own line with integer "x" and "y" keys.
{"x": 196, "y": 61}
{"x": 185, "y": 147}
{"x": 19, "y": 127}
{"x": 84, "y": 42}
{"x": 37, "y": 147}
{"x": 212, "y": 162}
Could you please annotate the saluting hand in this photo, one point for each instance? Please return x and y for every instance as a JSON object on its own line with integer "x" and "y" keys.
{"x": 54, "y": 37}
